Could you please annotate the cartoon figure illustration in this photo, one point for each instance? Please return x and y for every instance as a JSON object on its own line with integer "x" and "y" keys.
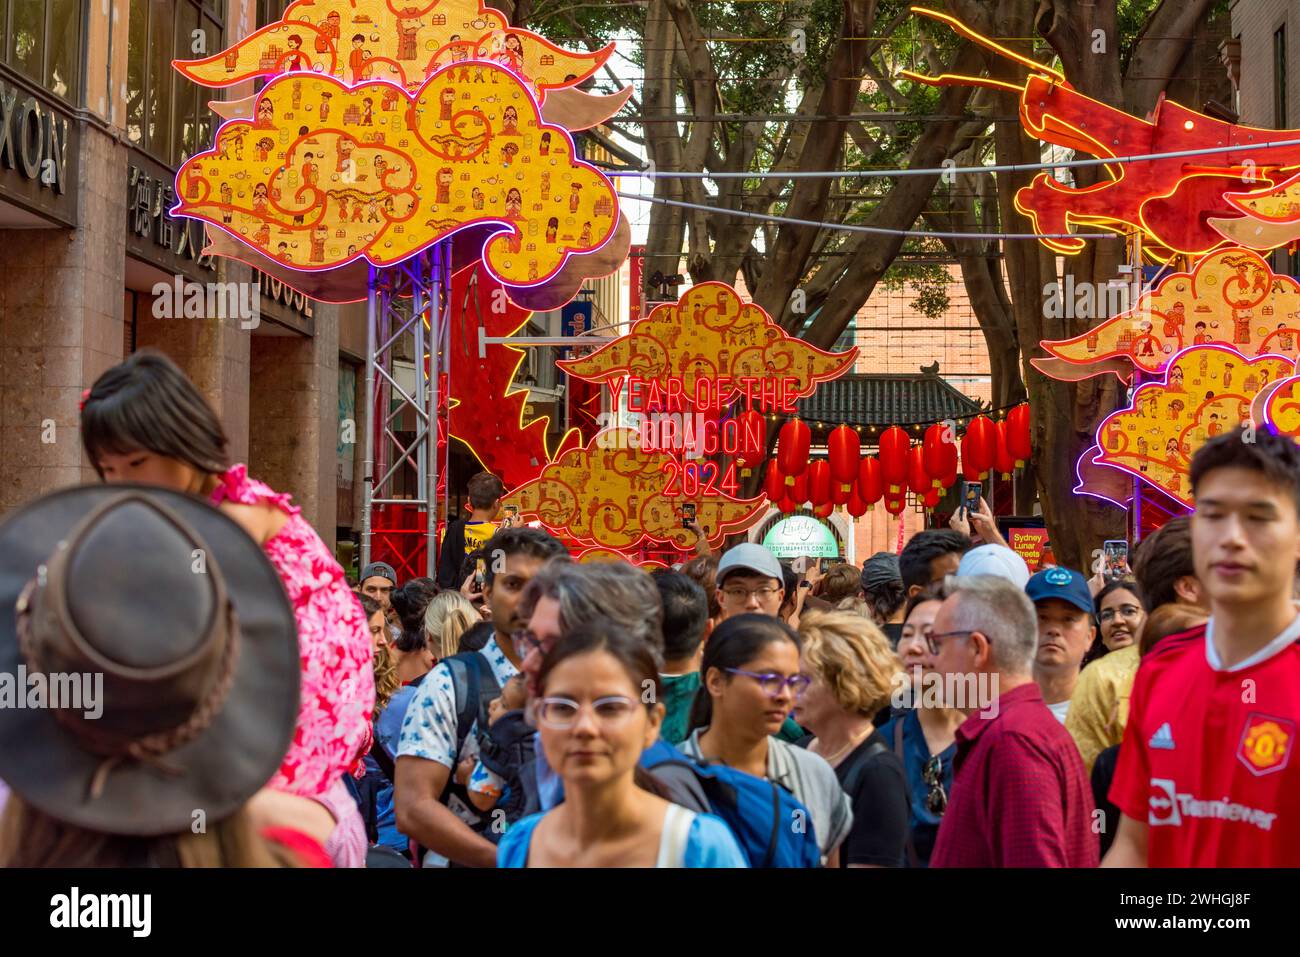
{"x": 508, "y": 153}
{"x": 1176, "y": 379}
{"x": 446, "y": 101}
{"x": 575, "y": 189}
{"x": 512, "y": 55}
{"x": 514, "y": 204}
{"x": 325, "y": 98}
{"x": 357, "y": 58}
{"x": 343, "y": 153}
{"x": 1201, "y": 336}
{"x": 1176, "y": 407}
{"x": 367, "y": 111}
{"x": 343, "y": 208}
{"x": 1214, "y": 427}
{"x": 1227, "y": 375}
{"x": 510, "y": 122}
{"x": 406, "y": 38}
{"x": 1091, "y": 341}
{"x": 308, "y": 171}
{"x": 356, "y": 210}
{"x": 318, "y": 236}
{"x": 227, "y": 197}
{"x": 476, "y": 198}
{"x": 381, "y": 167}
{"x": 265, "y": 115}
{"x": 1142, "y": 447}
{"x": 1240, "y": 327}
{"x": 1285, "y": 340}
{"x": 264, "y": 147}
{"x": 545, "y": 148}
{"x": 552, "y": 228}
{"x": 1147, "y": 340}
{"x": 329, "y": 30}
{"x": 296, "y": 60}
{"x": 259, "y": 198}
{"x": 282, "y": 252}
{"x": 263, "y": 235}
{"x": 372, "y": 210}
{"x": 445, "y": 177}
{"x": 1174, "y": 321}
{"x": 584, "y": 238}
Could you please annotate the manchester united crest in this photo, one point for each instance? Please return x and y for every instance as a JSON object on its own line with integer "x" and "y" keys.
{"x": 1266, "y": 743}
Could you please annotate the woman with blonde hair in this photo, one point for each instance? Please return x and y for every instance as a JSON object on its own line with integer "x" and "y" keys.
{"x": 448, "y": 616}
{"x": 853, "y": 674}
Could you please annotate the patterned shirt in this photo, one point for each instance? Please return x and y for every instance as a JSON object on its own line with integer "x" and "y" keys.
{"x": 429, "y": 729}
{"x": 1020, "y": 796}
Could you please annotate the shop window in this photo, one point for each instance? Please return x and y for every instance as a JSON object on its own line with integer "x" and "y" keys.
{"x": 42, "y": 39}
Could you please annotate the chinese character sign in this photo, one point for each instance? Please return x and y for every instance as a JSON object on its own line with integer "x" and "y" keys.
{"x": 402, "y": 42}
{"x": 324, "y": 174}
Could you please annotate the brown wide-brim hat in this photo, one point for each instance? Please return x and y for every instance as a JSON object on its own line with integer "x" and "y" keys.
{"x": 216, "y": 771}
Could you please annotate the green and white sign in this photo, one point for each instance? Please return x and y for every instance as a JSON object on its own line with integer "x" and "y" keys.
{"x": 801, "y": 535}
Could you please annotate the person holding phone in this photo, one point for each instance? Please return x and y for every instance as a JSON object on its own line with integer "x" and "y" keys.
{"x": 980, "y": 519}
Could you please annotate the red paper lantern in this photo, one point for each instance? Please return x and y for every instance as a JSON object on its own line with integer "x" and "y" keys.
{"x": 894, "y": 450}
{"x": 978, "y": 446}
{"x": 931, "y": 498}
{"x": 819, "y": 483}
{"x": 797, "y": 490}
{"x": 918, "y": 479}
{"x": 950, "y": 479}
{"x": 840, "y": 493}
{"x": 792, "y": 449}
{"x": 857, "y": 508}
{"x": 871, "y": 481}
{"x": 940, "y": 448}
{"x": 895, "y": 506}
{"x": 751, "y": 425}
{"x": 774, "y": 482}
{"x": 1002, "y": 460}
{"x": 823, "y": 511}
{"x": 1018, "y": 437}
{"x": 845, "y": 448}
{"x": 787, "y": 505}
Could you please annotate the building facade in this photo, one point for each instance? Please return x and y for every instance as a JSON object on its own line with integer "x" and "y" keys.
{"x": 92, "y": 267}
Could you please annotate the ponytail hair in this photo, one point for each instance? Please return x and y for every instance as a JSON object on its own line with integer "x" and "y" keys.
{"x": 734, "y": 644}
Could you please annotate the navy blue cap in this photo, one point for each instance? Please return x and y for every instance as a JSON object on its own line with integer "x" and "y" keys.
{"x": 1063, "y": 583}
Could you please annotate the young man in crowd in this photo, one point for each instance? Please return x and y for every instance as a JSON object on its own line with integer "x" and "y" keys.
{"x": 467, "y": 535}
{"x": 1020, "y": 797}
{"x": 930, "y": 556}
{"x": 750, "y": 580}
{"x": 881, "y": 587}
{"x": 431, "y": 807}
{"x": 1207, "y": 775}
{"x": 686, "y": 626}
{"x": 378, "y": 579}
{"x": 1066, "y": 631}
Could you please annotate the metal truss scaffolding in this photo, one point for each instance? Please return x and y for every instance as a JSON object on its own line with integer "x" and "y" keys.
{"x": 406, "y": 342}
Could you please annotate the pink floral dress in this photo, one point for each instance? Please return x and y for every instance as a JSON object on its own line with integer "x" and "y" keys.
{"x": 338, "y": 683}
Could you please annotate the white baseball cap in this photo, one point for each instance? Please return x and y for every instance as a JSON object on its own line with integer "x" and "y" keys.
{"x": 997, "y": 560}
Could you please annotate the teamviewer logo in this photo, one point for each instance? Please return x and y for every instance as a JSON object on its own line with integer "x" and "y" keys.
{"x": 1163, "y": 807}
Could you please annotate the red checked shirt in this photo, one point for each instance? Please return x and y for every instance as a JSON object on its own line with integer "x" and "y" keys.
{"x": 1207, "y": 760}
{"x": 1020, "y": 796}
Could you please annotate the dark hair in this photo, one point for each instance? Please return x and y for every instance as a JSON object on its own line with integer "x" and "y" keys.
{"x": 934, "y": 592}
{"x": 484, "y": 489}
{"x": 519, "y": 540}
{"x": 409, "y": 602}
{"x": 1171, "y": 619}
{"x": 1161, "y": 559}
{"x": 1098, "y": 648}
{"x": 686, "y": 613}
{"x": 369, "y": 605}
{"x": 735, "y": 643}
{"x": 638, "y": 659}
{"x": 148, "y": 403}
{"x": 1275, "y": 457}
{"x": 789, "y": 585}
{"x": 886, "y": 598}
{"x": 703, "y": 570}
{"x": 923, "y": 548}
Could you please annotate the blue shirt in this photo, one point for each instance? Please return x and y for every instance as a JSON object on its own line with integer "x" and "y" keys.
{"x": 925, "y": 824}
{"x": 709, "y": 843}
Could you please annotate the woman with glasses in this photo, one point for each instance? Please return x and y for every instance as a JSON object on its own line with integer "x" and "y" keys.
{"x": 751, "y": 680}
{"x": 923, "y": 737}
{"x": 853, "y": 674}
{"x": 594, "y": 721}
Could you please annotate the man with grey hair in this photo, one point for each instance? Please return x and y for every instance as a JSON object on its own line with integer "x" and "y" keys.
{"x": 1020, "y": 796}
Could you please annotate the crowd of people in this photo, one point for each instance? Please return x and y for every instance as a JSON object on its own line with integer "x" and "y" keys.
{"x": 939, "y": 707}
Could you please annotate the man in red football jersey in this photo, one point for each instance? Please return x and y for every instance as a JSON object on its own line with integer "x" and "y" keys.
{"x": 1206, "y": 775}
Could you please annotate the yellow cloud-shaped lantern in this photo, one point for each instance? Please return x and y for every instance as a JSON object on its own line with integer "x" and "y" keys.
{"x": 612, "y": 495}
{"x": 1207, "y": 390}
{"x": 710, "y": 332}
{"x": 400, "y": 41}
{"x": 1231, "y": 298}
{"x": 324, "y": 174}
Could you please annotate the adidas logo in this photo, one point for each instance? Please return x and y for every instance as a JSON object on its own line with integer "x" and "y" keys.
{"x": 1163, "y": 739}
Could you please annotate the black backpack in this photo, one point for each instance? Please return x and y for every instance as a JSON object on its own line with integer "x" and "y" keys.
{"x": 474, "y": 686}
